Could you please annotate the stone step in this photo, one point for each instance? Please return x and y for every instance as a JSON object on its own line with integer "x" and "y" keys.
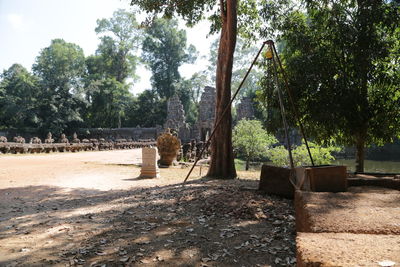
{"x": 345, "y": 249}
{"x": 376, "y": 212}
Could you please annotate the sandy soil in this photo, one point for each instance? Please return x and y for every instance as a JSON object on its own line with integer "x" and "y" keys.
{"x": 92, "y": 209}
{"x": 346, "y": 249}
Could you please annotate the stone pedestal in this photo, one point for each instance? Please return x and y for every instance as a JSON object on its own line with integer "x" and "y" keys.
{"x": 276, "y": 180}
{"x": 324, "y": 178}
{"x": 149, "y": 163}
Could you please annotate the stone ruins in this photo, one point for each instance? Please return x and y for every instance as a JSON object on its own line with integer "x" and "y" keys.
{"x": 176, "y": 118}
{"x": 245, "y": 109}
{"x": 205, "y": 122}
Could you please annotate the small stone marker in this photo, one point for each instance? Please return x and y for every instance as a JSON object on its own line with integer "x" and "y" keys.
{"x": 149, "y": 163}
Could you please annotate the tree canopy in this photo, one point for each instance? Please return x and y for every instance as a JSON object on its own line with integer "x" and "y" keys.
{"x": 165, "y": 50}
{"x": 19, "y": 97}
{"x": 251, "y": 140}
{"x": 342, "y": 59}
{"x": 60, "y": 69}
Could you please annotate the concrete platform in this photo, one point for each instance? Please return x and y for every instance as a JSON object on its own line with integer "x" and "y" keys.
{"x": 344, "y": 249}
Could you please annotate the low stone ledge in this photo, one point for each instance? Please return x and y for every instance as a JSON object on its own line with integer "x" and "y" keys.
{"x": 344, "y": 249}
{"x": 382, "y": 182}
{"x": 348, "y": 212}
{"x": 275, "y": 180}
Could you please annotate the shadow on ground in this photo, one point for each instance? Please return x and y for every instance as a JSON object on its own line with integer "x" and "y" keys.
{"x": 204, "y": 223}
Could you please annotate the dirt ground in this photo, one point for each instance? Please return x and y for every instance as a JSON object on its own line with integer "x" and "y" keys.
{"x": 92, "y": 209}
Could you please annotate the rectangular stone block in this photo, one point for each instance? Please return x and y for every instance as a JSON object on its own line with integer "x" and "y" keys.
{"x": 149, "y": 163}
{"x": 324, "y": 178}
{"x": 275, "y": 180}
{"x": 345, "y": 249}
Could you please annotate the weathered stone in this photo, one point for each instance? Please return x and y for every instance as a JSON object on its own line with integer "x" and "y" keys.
{"x": 49, "y": 139}
{"x": 205, "y": 122}
{"x": 245, "y": 109}
{"x": 35, "y": 140}
{"x": 75, "y": 139}
{"x": 19, "y": 139}
{"x": 325, "y": 178}
{"x": 275, "y": 180}
{"x": 168, "y": 146}
{"x": 149, "y": 163}
{"x": 64, "y": 139}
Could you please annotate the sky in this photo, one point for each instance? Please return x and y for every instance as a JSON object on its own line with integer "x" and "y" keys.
{"x": 27, "y": 26}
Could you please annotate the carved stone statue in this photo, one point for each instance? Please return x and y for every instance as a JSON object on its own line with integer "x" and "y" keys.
{"x": 64, "y": 139}
{"x": 35, "y": 140}
{"x": 19, "y": 139}
{"x": 49, "y": 139}
{"x": 75, "y": 139}
{"x": 168, "y": 148}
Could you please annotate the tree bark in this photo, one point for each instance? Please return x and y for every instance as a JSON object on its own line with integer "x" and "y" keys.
{"x": 360, "y": 154}
{"x": 222, "y": 159}
{"x": 247, "y": 164}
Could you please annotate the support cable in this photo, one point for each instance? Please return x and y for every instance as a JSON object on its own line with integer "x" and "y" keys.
{"x": 295, "y": 111}
{"x": 216, "y": 125}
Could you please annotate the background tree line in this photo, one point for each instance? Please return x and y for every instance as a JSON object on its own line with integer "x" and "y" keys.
{"x": 341, "y": 59}
{"x": 66, "y": 90}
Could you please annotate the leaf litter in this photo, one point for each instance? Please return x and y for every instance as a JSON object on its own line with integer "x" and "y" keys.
{"x": 204, "y": 223}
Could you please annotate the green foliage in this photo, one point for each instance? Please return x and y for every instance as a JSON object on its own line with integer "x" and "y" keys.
{"x": 18, "y": 98}
{"x": 165, "y": 50}
{"x": 60, "y": 68}
{"x": 251, "y": 140}
{"x": 342, "y": 57}
{"x": 148, "y": 110}
{"x": 191, "y": 11}
{"x": 321, "y": 155}
{"x": 115, "y": 56}
{"x": 244, "y": 55}
{"x": 108, "y": 100}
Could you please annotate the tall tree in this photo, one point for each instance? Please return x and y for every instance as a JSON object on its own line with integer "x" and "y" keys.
{"x": 165, "y": 50}
{"x": 108, "y": 70}
{"x": 120, "y": 40}
{"x": 108, "y": 100}
{"x": 60, "y": 68}
{"x": 343, "y": 56}
{"x": 147, "y": 110}
{"x": 19, "y": 98}
{"x": 222, "y": 164}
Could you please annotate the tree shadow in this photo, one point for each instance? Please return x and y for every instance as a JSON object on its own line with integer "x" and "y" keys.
{"x": 205, "y": 222}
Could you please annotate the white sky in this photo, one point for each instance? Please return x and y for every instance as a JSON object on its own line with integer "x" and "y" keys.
{"x": 27, "y": 26}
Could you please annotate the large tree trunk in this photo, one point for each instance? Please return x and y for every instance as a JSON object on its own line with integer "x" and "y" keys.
{"x": 222, "y": 159}
{"x": 360, "y": 154}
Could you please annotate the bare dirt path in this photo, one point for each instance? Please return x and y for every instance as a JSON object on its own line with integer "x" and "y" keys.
{"x": 91, "y": 209}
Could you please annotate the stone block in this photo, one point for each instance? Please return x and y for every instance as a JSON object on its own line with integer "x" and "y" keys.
{"x": 275, "y": 180}
{"x": 149, "y": 163}
{"x": 324, "y": 178}
{"x": 346, "y": 249}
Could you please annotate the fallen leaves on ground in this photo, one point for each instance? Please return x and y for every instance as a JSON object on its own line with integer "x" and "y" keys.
{"x": 204, "y": 223}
